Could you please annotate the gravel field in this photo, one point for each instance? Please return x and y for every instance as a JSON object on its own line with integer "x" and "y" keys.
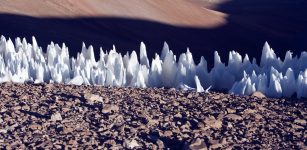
{"x": 56, "y": 116}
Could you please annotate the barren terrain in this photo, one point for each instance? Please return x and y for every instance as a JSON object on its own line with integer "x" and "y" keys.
{"x": 179, "y": 12}
{"x": 66, "y": 116}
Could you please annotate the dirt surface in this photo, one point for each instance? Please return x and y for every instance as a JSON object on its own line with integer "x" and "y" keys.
{"x": 57, "y": 116}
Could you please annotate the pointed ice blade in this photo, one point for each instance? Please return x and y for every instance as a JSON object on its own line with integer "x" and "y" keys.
{"x": 199, "y": 88}
{"x": 34, "y": 42}
{"x": 165, "y": 50}
{"x": 143, "y": 55}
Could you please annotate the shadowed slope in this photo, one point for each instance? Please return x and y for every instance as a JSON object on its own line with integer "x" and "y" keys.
{"x": 283, "y": 22}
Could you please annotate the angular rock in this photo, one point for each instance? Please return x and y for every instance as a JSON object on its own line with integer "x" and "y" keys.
{"x": 35, "y": 127}
{"x": 160, "y": 144}
{"x": 108, "y": 108}
{"x": 56, "y": 117}
{"x": 230, "y": 111}
{"x": 233, "y": 117}
{"x": 132, "y": 144}
{"x": 300, "y": 122}
{"x": 258, "y": 95}
{"x": 93, "y": 98}
{"x": 198, "y": 144}
{"x": 211, "y": 122}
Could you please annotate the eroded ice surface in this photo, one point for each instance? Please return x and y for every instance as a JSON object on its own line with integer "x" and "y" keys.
{"x": 23, "y": 62}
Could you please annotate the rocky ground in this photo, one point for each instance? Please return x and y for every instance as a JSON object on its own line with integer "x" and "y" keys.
{"x": 67, "y": 116}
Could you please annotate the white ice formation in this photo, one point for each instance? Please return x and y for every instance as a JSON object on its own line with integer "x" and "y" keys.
{"x": 24, "y": 62}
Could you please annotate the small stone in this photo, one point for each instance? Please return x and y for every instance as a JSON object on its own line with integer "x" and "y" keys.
{"x": 229, "y": 125}
{"x": 211, "y": 122}
{"x": 178, "y": 115}
{"x": 92, "y": 98}
{"x": 223, "y": 141}
{"x": 198, "y": 144}
{"x": 23, "y": 97}
{"x": 65, "y": 109}
{"x": 233, "y": 117}
{"x": 168, "y": 133}
{"x": 216, "y": 97}
{"x": 300, "y": 122}
{"x": 231, "y": 111}
{"x": 297, "y": 127}
{"x": 186, "y": 136}
{"x": 216, "y": 146}
{"x": 258, "y": 95}
{"x": 3, "y": 131}
{"x": 162, "y": 101}
{"x": 25, "y": 107}
{"x": 57, "y": 146}
{"x": 109, "y": 108}
{"x": 56, "y": 117}
{"x": 53, "y": 107}
{"x": 224, "y": 99}
{"x": 132, "y": 144}
{"x": 12, "y": 127}
{"x": 160, "y": 144}
{"x": 106, "y": 100}
{"x": 175, "y": 103}
{"x": 166, "y": 118}
{"x": 67, "y": 130}
{"x": 72, "y": 142}
{"x": 153, "y": 122}
{"x": 171, "y": 90}
{"x": 249, "y": 111}
{"x": 17, "y": 108}
{"x": 185, "y": 128}
{"x": 35, "y": 127}
{"x": 190, "y": 95}
{"x": 258, "y": 116}
{"x": 200, "y": 125}
{"x": 3, "y": 110}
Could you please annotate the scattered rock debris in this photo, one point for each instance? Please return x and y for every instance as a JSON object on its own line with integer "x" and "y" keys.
{"x": 57, "y": 116}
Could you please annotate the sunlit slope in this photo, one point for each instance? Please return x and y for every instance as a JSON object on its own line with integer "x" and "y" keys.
{"x": 179, "y": 12}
